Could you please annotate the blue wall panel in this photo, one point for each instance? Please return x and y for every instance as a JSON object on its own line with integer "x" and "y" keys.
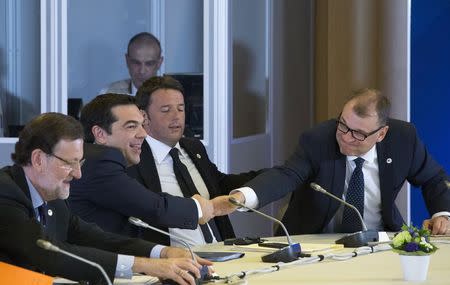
{"x": 430, "y": 85}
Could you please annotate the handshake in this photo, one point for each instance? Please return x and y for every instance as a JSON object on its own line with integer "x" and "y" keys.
{"x": 218, "y": 206}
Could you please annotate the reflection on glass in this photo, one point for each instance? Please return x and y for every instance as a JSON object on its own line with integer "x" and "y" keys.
{"x": 249, "y": 68}
{"x": 19, "y": 65}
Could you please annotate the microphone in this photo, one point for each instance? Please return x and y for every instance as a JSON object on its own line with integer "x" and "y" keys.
{"x": 204, "y": 272}
{"x": 49, "y": 246}
{"x": 285, "y": 254}
{"x": 357, "y": 239}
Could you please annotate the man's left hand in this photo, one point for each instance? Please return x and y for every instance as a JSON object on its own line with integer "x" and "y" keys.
{"x": 438, "y": 225}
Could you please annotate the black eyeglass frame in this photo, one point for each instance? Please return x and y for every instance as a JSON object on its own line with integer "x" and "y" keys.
{"x": 363, "y": 136}
{"x": 71, "y": 164}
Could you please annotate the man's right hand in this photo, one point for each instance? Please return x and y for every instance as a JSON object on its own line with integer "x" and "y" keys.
{"x": 223, "y": 206}
{"x": 176, "y": 269}
{"x": 207, "y": 209}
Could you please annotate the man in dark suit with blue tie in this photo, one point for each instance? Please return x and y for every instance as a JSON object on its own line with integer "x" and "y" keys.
{"x": 362, "y": 156}
{"x": 48, "y": 156}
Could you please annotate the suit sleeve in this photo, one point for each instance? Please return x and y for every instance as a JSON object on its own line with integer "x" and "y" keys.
{"x": 106, "y": 184}
{"x": 426, "y": 173}
{"x": 279, "y": 181}
{"x": 18, "y": 235}
{"x": 227, "y": 182}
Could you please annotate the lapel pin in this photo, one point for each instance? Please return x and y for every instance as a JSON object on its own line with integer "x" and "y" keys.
{"x": 389, "y": 160}
{"x": 199, "y": 156}
{"x": 50, "y": 212}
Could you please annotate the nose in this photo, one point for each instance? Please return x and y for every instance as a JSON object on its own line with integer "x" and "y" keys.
{"x": 142, "y": 69}
{"x": 141, "y": 133}
{"x": 76, "y": 172}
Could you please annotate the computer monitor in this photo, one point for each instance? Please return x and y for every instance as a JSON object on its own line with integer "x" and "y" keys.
{"x": 193, "y": 100}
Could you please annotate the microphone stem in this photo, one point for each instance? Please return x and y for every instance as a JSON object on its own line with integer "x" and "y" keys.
{"x": 140, "y": 223}
{"x": 179, "y": 240}
{"x": 88, "y": 262}
{"x": 275, "y": 220}
{"x": 348, "y": 205}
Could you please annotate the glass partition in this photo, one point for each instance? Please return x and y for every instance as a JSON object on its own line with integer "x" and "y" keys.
{"x": 20, "y": 98}
{"x": 250, "y": 77}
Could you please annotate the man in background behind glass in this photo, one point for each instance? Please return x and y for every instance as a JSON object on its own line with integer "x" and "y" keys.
{"x": 143, "y": 60}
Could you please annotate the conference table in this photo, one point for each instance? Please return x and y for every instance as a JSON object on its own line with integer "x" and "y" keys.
{"x": 381, "y": 267}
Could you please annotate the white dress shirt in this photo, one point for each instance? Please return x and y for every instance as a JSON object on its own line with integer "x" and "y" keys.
{"x": 169, "y": 184}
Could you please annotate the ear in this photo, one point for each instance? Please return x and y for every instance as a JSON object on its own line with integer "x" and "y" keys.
{"x": 382, "y": 133}
{"x": 127, "y": 59}
{"x": 38, "y": 159}
{"x": 160, "y": 62}
{"x": 100, "y": 135}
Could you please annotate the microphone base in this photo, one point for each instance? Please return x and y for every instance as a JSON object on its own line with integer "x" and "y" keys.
{"x": 286, "y": 254}
{"x": 358, "y": 239}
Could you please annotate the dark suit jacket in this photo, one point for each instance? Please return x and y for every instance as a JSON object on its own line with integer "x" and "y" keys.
{"x": 217, "y": 182}
{"x": 107, "y": 196}
{"x": 318, "y": 159}
{"x": 19, "y": 230}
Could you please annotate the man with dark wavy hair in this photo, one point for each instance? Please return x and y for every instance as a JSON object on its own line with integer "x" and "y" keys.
{"x": 47, "y": 157}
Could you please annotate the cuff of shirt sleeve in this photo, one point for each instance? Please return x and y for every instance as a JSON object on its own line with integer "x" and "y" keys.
{"x": 199, "y": 209}
{"x": 156, "y": 251}
{"x": 438, "y": 214}
{"x": 124, "y": 266}
{"x": 251, "y": 200}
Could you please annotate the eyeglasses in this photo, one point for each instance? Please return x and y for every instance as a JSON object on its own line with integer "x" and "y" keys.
{"x": 69, "y": 165}
{"x": 355, "y": 134}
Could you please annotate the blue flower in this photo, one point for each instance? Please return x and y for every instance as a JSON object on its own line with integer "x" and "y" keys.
{"x": 411, "y": 246}
{"x": 413, "y": 241}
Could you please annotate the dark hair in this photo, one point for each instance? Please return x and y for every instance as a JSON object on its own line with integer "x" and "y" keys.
{"x": 44, "y": 132}
{"x": 98, "y": 112}
{"x": 144, "y": 93}
{"x": 144, "y": 37}
{"x": 365, "y": 99}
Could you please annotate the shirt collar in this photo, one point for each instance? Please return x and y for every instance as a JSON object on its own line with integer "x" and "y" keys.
{"x": 159, "y": 149}
{"x": 369, "y": 156}
{"x": 36, "y": 198}
{"x": 133, "y": 89}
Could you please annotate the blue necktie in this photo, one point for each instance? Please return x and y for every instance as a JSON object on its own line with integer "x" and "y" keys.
{"x": 355, "y": 196}
{"x": 42, "y": 216}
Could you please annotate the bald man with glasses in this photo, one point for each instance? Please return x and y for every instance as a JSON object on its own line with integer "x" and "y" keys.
{"x": 362, "y": 156}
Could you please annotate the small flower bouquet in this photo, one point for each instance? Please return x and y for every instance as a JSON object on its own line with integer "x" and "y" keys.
{"x": 412, "y": 241}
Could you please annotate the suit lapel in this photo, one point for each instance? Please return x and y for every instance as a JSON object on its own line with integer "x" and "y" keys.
{"x": 147, "y": 168}
{"x": 197, "y": 157}
{"x": 385, "y": 174}
{"x": 338, "y": 182}
{"x": 19, "y": 178}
